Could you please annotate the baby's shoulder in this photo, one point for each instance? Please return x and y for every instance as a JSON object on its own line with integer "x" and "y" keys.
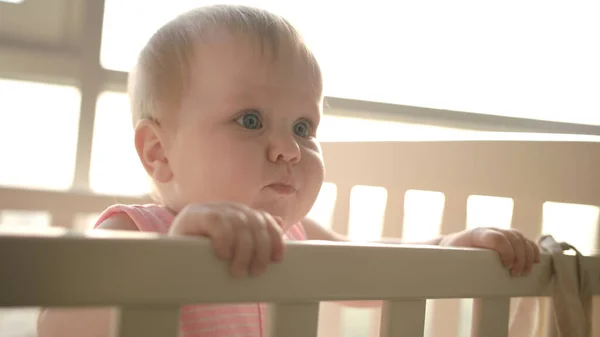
{"x": 296, "y": 232}
{"x": 144, "y": 218}
{"x": 118, "y": 221}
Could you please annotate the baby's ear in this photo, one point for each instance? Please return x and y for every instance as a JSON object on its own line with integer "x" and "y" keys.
{"x": 151, "y": 150}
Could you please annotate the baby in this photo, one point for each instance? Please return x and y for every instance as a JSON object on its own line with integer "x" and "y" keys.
{"x": 226, "y": 102}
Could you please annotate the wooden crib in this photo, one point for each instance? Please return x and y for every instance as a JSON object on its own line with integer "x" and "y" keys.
{"x": 58, "y": 267}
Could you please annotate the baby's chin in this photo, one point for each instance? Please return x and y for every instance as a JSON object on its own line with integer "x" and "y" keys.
{"x": 291, "y": 208}
{"x": 290, "y": 214}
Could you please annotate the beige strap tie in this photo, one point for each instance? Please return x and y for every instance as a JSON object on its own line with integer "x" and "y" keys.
{"x": 571, "y": 303}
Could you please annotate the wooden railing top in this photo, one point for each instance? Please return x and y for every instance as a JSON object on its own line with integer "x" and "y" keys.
{"x": 532, "y": 170}
{"x": 57, "y": 267}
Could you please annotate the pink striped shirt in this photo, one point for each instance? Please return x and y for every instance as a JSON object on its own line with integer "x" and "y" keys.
{"x": 239, "y": 320}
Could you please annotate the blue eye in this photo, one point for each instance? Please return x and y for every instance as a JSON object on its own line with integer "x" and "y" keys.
{"x": 250, "y": 121}
{"x": 301, "y": 129}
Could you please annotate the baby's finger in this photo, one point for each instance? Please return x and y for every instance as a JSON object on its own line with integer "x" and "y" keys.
{"x": 275, "y": 231}
{"x": 262, "y": 247}
{"x": 206, "y": 222}
{"x": 220, "y": 229}
{"x": 528, "y": 252}
{"x": 517, "y": 242}
{"x": 530, "y": 257}
{"x": 496, "y": 240}
{"x": 243, "y": 252}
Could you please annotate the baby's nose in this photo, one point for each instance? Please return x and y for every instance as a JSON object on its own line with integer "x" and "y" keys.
{"x": 284, "y": 149}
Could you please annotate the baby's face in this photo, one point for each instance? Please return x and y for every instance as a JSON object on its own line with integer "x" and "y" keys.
{"x": 247, "y": 131}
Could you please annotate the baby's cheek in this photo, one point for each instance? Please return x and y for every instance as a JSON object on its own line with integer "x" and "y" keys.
{"x": 312, "y": 156}
{"x": 314, "y": 173}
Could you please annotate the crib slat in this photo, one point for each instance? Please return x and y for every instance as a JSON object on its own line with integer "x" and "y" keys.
{"x": 147, "y": 322}
{"x": 392, "y": 228}
{"x": 527, "y": 217}
{"x": 403, "y": 318}
{"x": 490, "y": 317}
{"x": 292, "y": 320}
{"x": 331, "y": 313}
{"x": 394, "y": 214}
{"x": 341, "y": 209}
{"x": 445, "y": 314}
{"x": 62, "y": 218}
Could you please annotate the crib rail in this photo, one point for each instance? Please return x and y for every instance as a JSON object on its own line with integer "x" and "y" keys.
{"x": 62, "y": 206}
{"x": 57, "y": 267}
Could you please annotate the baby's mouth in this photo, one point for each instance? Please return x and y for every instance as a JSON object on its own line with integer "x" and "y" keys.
{"x": 282, "y": 188}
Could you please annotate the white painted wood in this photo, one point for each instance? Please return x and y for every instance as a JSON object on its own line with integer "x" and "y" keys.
{"x": 147, "y": 321}
{"x": 393, "y": 220}
{"x": 61, "y": 219}
{"x": 393, "y": 223}
{"x": 528, "y": 219}
{"x": 312, "y": 271}
{"x": 490, "y": 317}
{"x": 60, "y": 201}
{"x": 403, "y": 318}
{"x": 293, "y": 320}
{"x": 330, "y": 314}
{"x": 341, "y": 210}
{"x": 91, "y": 84}
{"x": 445, "y": 313}
{"x": 513, "y": 169}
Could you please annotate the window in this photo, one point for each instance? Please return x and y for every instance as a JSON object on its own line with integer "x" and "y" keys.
{"x": 38, "y": 134}
{"x": 423, "y": 212}
{"x": 367, "y": 206}
{"x": 115, "y": 168}
{"x": 574, "y": 224}
{"x": 489, "y": 211}
{"x": 533, "y": 60}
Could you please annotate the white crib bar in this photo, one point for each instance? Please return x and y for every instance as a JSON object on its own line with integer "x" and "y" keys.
{"x": 330, "y": 315}
{"x": 58, "y": 268}
{"x": 293, "y": 320}
{"x": 160, "y": 321}
{"x": 403, "y": 318}
{"x": 446, "y": 313}
{"x": 490, "y": 317}
{"x": 393, "y": 223}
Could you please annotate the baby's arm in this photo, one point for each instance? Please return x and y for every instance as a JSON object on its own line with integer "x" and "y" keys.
{"x": 314, "y": 231}
{"x": 92, "y": 322}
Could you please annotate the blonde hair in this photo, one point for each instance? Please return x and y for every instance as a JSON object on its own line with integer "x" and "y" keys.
{"x": 160, "y": 76}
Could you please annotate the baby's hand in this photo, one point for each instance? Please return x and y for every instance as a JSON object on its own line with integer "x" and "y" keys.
{"x": 517, "y": 253}
{"x": 247, "y": 239}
